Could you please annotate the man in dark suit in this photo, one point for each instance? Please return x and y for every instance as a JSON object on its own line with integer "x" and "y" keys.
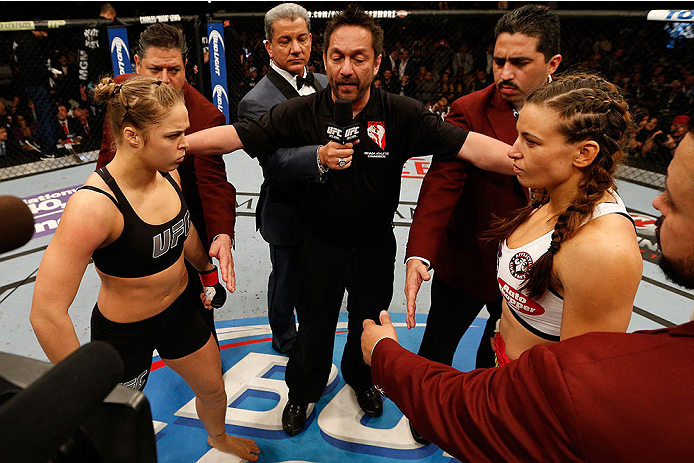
{"x": 210, "y": 198}
{"x": 84, "y": 130}
{"x": 457, "y": 201}
{"x": 65, "y": 130}
{"x": 10, "y": 151}
{"x": 288, "y": 42}
{"x": 406, "y": 65}
{"x": 595, "y": 397}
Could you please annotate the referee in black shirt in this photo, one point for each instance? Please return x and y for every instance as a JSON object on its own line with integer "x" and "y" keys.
{"x": 350, "y": 243}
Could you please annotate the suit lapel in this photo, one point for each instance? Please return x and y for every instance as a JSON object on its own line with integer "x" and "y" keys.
{"x": 503, "y": 123}
{"x": 281, "y": 83}
{"x": 317, "y": 84}
{"x": 501, "y": 119}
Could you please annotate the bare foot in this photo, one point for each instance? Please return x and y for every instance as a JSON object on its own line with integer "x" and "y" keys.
{"x": 239, "y": 446}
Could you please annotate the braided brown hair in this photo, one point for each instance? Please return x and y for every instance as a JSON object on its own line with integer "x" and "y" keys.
{"x": 588, "y": 108}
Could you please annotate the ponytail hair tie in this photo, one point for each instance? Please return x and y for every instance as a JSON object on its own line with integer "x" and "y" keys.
{"x": 554, "y": 246}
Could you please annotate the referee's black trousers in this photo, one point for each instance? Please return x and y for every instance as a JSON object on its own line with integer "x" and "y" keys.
{"x": 327, "y": 270}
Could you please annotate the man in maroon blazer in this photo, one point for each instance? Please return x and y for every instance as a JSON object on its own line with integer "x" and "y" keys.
{"x": 210, "y": 198}
{"x": 457, "y": 201}
{"x": 595, "y": 397}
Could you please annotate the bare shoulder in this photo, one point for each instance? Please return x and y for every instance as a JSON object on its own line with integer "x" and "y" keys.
{"x": 610, "y": 231}
{"x": 90, "y": 215}
{"x": 607, "y": 242}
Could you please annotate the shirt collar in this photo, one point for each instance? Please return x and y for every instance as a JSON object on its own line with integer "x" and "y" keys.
{"x": 372, "y": 110}
{"x": 288, "y": 76}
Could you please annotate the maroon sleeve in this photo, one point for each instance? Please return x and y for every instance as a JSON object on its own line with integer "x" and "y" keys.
{"x": 441, "y": 189}
{"x": 217, "y": 195}
{"x": 521, "y": 412}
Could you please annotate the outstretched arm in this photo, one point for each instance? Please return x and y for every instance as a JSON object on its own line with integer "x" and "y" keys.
{"x": 471, "y": 415}
{"x": 293, "y": 164}
{"x": 215, "y": 140}
{"x": 486, "y": 153}
{"x": 298, "y": 163}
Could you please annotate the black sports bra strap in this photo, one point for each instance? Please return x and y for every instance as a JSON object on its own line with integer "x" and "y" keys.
{"x": 117, "y": 192}
{"x": 110, "y": 181}
{"x": 99, "y": 190}
{"x": 171, "y": 180}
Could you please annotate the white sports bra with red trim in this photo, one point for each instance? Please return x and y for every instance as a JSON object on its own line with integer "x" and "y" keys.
{"x": 541, "y": 317}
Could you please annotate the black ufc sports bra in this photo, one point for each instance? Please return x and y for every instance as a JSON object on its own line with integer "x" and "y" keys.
{"x": 141, "y": 249}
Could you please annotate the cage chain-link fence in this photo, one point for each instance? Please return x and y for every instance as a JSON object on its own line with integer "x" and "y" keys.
{"x": 433, "y": 56}
{"x": 46, "y": 77}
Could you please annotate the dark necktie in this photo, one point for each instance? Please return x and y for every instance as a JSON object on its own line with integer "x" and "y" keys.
{"x": 301, "y": 81}
{"x": 2, "y": 149}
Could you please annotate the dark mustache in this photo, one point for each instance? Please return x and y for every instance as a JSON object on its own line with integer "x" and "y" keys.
{"x": 507, "y": 83}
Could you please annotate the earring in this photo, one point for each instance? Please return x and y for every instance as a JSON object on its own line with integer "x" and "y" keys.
{"x": 549, "y": 78}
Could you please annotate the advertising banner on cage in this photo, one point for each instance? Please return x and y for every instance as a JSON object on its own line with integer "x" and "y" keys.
{"x": 120, "y": 51}
{"x": 218, "y": 67}
{"x": 671, "y": 15}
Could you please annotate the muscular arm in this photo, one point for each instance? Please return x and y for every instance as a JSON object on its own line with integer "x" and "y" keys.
{"x": 214, "y": 140}
{"x": 85, "y": 224}
{"x": 599, "y": 293}
{"x": 486, "y": 153}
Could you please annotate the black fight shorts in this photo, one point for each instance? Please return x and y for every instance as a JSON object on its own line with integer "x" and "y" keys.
{"x": 177, "y": 331}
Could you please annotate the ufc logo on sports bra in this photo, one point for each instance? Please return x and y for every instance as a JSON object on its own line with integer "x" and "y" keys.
{"x": 168, "y": 239}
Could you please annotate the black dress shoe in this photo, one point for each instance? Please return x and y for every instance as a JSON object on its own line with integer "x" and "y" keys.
{"x": 293, "y": 418}
{"x": 370, "y": 401}
{"x": 418, "y": 437}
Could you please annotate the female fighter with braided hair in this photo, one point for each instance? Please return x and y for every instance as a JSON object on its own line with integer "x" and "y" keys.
{"x": 131, "y": 218}
{"x": 569, "y": 262}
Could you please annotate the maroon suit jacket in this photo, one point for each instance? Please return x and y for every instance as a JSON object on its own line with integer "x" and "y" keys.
{"x": 457, "y": 200}
{"x": 597, "y": 397}
{"x": 209, "y": 196}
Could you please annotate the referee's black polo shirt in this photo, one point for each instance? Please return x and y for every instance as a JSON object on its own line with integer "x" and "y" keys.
{"x": 356, "y": 205}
